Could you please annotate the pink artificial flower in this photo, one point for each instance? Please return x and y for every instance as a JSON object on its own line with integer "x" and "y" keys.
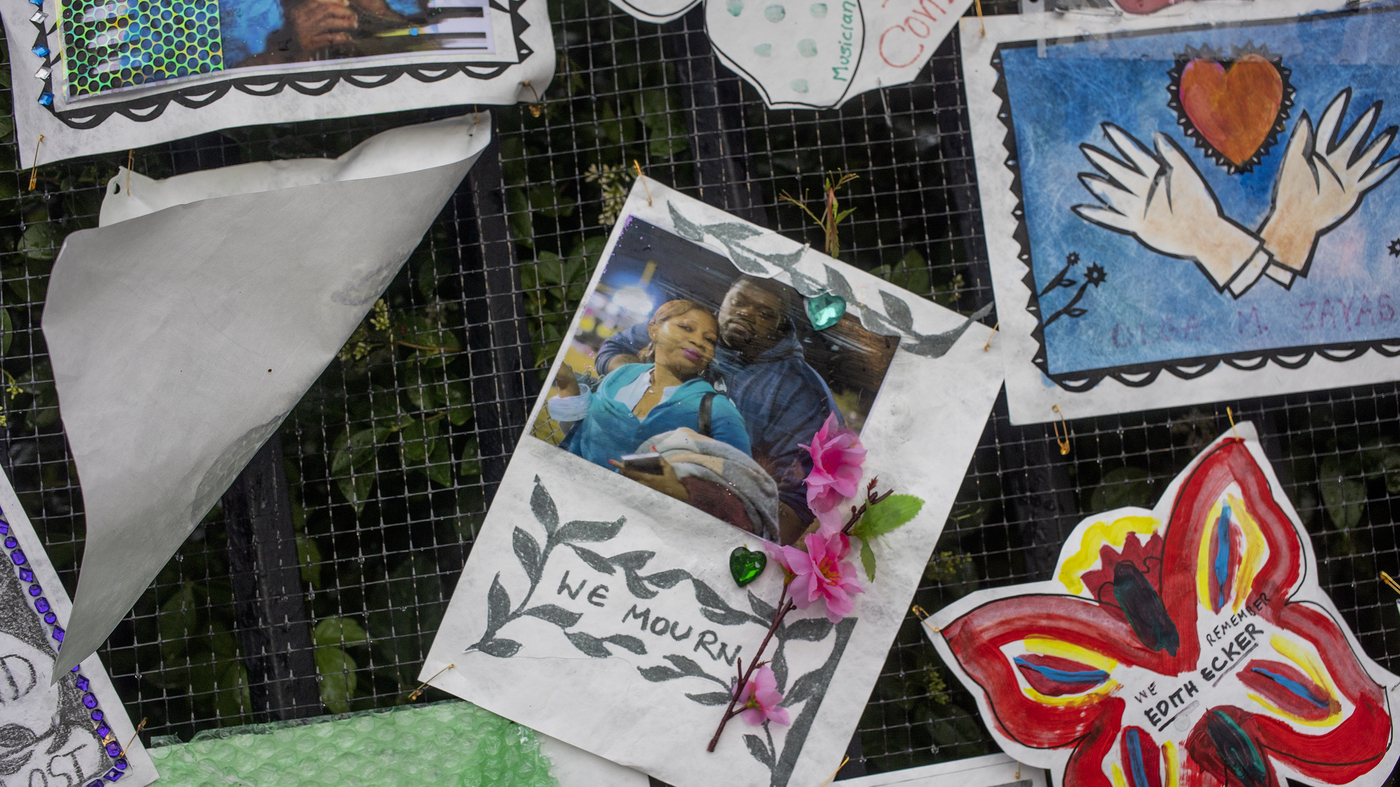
{"x": 821, "y": 573}
{"x": 836, "y": 459}
{"x": 759, "y": 698}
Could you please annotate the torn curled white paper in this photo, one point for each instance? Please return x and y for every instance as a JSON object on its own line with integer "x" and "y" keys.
{"x": 816, "y": 54}
{"x": 602, "y": 612}
{"x": 184, "y": 329}
{"x": 94, "y": 76}
{"x": 66, "y": 731}
{"x": 993, "y": 770}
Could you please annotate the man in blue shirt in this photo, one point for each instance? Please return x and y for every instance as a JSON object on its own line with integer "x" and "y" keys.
{"x": 759, "y": 360}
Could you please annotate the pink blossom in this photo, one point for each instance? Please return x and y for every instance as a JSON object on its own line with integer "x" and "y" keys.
{"x": 837, "y": 456}
{"x": 759, "y": 698}
{"x": 822, "y": 573}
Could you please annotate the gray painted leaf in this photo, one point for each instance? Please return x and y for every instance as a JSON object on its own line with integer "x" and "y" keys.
{"x": 527, "y": 549}
{"x": 806, "y": 687}
{"x": 629, "y": 643}
{"x": 732, "y": 617}
{"x": 497, "y": 605}
{"x": 633, "y": 560}
{"x": 581, "y": 530}
{"x": 555, "y": 614}
{"x": 780, "y": 667}
{"x": 543, "y": 507}
{"x": 500, "y": 648}
{"x": 938, "y": 344}
{"x": 667, "y": 579}
{"x": 732, "y": 232}
{"x": 688, "y": 666}
{"x": 759, "y": 750}
{"x": 761, "y": 608}
{"x": 708, "y": 597}
{"x": 809, "y": 630}
{"x": 684, "y": 226}
{"x": 784, "y": 261}
{"x": 596, "y": 561}
{"x": 838, "y": 284}
{"x": 713, "y": 698}
{"x": 587, "y": 643}
{"x": 659, "y": 674}
{"x": 636, "y": 586}
{"x": 745, "y": 261}
{"x": 898, "y": 311}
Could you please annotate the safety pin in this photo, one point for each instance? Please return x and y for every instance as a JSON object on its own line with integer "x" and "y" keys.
{"x": 838, "y": 770}
{"x": 1230, "y": 414}
{"x": 1063, "y": 441}
{"x": 640, "y": 177}
{"x": 922, "y": 615}
{"x": 422, "y": 687}
{"x": 1389, "y": 580}
{"x": 130, "y": 162}
{"x": 537, "y": 107}
{"x": 139, "y": 727}
{"x": 34, "y": 173}
{"x": 988, "y": 346}
{"x": 979, "y": 19}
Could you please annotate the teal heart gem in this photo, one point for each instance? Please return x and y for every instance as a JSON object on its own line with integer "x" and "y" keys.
{"x": 825, "y": 310}
{"x": 745, "y": 565}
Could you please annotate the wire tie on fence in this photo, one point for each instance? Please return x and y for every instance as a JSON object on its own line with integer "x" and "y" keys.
{"x": 422, "y": 687}
{"x": 1230, "y": 414}
{"x": 34, "y": 173}
{"x": 979, "y": 18}
{"x": 1063, "y": 441}
{"x": 1389, "y": 580}
{"x": 838, "y": 770}
{"x": 537, "y": 107}
{"x": 640, "y": 177}
{"x": 139, "y": 727}
{"x": 988, "y": 346}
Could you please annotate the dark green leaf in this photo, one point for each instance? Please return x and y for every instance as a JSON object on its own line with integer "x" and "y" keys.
{"x": 543, "y": 507}
{"x": 581, "y": 530}
{"x": 471, "y": 462}
{"x": 339, "y": 632}
{"x": 712, "y": 698}
{"x": 338, "y": 678}
{"x": 1343, "y": 494}
{"x": 867, "y": 559}
{"x": 500, "y": 648}
{"x": 596, "y": 561}
{"x": 440, "y": 464}
{"x": 527, "y": 549}
{"x": 177, "y": 622}
{"x": 557, "y": 615}
{"x": 886, "y": 516}
{"x": 1122, "y": 487}
{"x": 356, "y": 490}
{"x": 7, "y": 329}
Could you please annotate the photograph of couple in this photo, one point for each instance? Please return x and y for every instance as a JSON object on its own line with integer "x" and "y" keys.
{"x": 705, "y": 384}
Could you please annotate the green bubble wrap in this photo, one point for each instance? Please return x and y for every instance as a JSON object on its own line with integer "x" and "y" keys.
{"x": 447, "y": 743}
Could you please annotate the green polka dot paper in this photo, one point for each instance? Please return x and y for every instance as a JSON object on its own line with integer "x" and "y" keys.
{"x": 111, "y": 44}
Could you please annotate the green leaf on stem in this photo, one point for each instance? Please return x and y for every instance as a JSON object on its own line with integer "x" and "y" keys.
{"x": 867, "y": 559}
{"x": 887, "y": 516}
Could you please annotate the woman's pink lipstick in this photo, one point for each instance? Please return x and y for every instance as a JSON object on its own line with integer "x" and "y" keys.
{"x": 692, "y": 355}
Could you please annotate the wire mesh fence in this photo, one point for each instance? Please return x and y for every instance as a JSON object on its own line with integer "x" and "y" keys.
{"x": 391, "y": 459}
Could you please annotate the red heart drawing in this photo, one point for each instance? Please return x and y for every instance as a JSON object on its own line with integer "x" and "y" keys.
{"x": 1233, "y": 108}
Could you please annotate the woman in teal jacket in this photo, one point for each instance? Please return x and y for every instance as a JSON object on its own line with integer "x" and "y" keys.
{"x": 636, "y": 402}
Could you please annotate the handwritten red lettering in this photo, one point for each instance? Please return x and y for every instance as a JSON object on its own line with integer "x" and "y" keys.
{"x": 885, "y": 57}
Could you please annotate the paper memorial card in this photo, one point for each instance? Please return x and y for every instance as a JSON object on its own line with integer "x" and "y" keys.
{"x": 817, "y": 54}
{"x": 186, "y": 327}
{"x": 94, "y": 76}
{"x": 1188, "y": 644}
{"x": 1189, "y": 207}
{"x": 601, "y": 609}
{"x": 70, "y": 731}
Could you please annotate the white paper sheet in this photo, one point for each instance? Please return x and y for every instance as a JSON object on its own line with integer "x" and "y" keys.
{"x": 184, "y": 329}
{"x": 574, "y": 767}
{"x": 1255, "y": 281}
{"x": 65, "y": 732}
{"x": 136, "y": 74}
{"x": 650, "y": 633}
{"x": 815, "y": 54}
{"x": 993, "y": 770}
{"x": 1189, "y": 643}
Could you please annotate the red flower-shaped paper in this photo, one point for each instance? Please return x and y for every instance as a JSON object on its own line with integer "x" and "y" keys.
{"x": 1187, "y": 645}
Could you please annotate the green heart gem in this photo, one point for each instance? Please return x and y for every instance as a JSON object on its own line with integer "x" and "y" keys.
{"x": 825, "y": 310}
{"x": 746, "y": 565}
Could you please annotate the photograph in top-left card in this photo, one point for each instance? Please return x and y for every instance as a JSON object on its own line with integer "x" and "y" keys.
{"x": 93, "y": 76}
{"x": 70, "y": 731}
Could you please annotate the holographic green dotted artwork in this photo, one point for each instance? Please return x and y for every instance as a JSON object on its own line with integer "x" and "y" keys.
{"x": 109, "y": 44}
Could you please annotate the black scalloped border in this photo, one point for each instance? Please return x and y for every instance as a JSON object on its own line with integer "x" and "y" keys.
{"x": 149, "y": 107}
{"x": 1141, "y": 375}
{"x": 1206, "y": 52}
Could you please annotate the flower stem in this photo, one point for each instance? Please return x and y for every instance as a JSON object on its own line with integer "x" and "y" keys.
{"x": 785, "y": 605}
